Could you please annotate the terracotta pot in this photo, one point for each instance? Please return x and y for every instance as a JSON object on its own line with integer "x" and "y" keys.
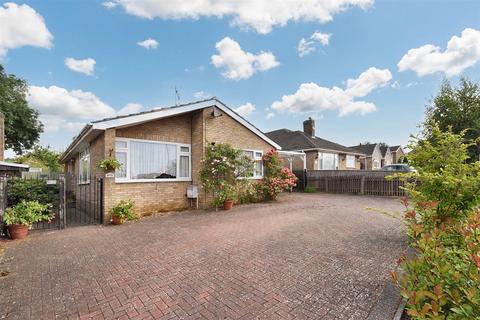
{"x": 116, "y": 220}
{"x": 18, "y": 231}
{"x": 228, "y": 204}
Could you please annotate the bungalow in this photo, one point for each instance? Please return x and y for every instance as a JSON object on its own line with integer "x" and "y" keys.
{"x": 373, "y": 155}
{"x": 397, "y": 154}
{"x": 387, "y": 157}
{"x": 160, "y": 152}
{"x": 321, "y": 154}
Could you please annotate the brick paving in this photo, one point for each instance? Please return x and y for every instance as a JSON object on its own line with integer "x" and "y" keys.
{"x": 308, "y": 256}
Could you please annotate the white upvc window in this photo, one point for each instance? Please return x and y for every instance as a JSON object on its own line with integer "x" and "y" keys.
{"x": 350, "y": 161}
{"x": 84, "y": 166}
{"x": 152, "y": 161}
{"x": 256, "y": 156}
{"x": 327, "y": 161}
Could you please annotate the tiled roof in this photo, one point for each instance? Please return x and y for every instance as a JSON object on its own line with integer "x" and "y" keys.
{"x": 367, "y": 148}
{"x": 298, "y": 140}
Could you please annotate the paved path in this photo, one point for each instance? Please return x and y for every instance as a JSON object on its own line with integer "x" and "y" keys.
{"x": 307, "y": 256}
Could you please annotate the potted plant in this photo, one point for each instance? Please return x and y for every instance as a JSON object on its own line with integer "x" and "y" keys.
{"x": 109, "y": 164}
{"x": 122, "y": 212}
{"x": 225, "y": 196}
{"x": 23, "y": 215}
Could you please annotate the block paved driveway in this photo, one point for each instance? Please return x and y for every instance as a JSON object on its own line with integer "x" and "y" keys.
{"x": 307, "y": 256}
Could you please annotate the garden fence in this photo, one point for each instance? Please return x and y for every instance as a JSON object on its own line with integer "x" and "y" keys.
{"x": 361, "y": 182}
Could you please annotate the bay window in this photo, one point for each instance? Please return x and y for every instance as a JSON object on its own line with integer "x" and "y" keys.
{"x": 145, "y": 161}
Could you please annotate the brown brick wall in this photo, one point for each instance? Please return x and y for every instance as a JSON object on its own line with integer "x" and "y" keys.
{"x": 312, "y": 161}
{"x": 196, "y": 128}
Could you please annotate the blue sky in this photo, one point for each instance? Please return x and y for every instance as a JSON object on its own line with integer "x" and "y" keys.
{"x": 385, "y": 104}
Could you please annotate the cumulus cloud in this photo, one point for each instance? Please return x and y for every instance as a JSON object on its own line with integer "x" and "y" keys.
{"x": 109, "y": 4}
{"x": 130, "y": 108}
{"x": 86, "y": 66}
{"x": 202, "y": 95}
{"x": 21, "y": 25}
{"x": 310, "y": 97}
{"x": 245, "y": 109}
{"x": 270, "y": 115}
{"x": 238, "y": 64}
{"x": 260, "y": 15}
{"x": 148, "y": 43}
{"x": 307, "y": 46}
{"x": 461, "y": 53}
{"x": 60, "y": 108}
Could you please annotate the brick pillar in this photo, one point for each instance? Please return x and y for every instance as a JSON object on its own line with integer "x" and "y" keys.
{"x": 2, "y": 136}
{"x": 108, "y": 183}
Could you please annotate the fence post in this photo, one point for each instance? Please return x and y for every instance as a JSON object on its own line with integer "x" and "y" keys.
{"x": 326, "y": 184}
{"x": 62, "y": 204}
{"x": 101, "y": 201}
{"x": 362, "y": 185}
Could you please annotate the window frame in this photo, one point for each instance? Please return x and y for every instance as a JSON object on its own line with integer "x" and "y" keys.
{"x": 255, "y": 159}
{"x": 81, "y": 154}
{"x": 354, "y": 161}
{"x": 127, "y": 179}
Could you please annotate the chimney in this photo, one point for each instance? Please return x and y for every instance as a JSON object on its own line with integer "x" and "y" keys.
{"x": 2, "y": 136}
{"x": 309, "y": 127}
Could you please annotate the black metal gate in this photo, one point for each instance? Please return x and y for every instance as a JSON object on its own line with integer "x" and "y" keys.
{"x": 73, "y": 203}
{"x": 83, "y": 201}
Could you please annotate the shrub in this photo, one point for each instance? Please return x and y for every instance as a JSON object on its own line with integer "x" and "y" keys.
{"x": 276, "y": 178}
{"x": 19, "y": 189}
{"x": 27, "y": 213}
{"x": 310, "y": 189}
{"x": 442, "y": 280}
{"x": 124, "y": 210}
{"x": 247, "y": 191}
{"x": 222, "y": 165}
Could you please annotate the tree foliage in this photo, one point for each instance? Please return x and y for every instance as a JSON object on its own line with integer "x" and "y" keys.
{"x": 458, "y": 109}
{"x": 41, "y": 157}
{"x": 443, "y": 223}
{"x": 22, "y": 126}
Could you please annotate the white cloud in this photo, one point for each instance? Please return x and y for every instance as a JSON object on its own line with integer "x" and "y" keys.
{"x": 395, "y": 85}
{"x": 109, "y": 4}
{"x": 306, "y": 47}
{"x": 245, "y": 109}
{"x": 270, "y": 115}
{"x": 461, "y": 53}
{"x": 86, "y": 66}
{"x": 61, "y": 109}
{"x": 261, "y": 15}
{"x": 21, "y": 25}
{"x": 148, "y": 43}
{"x": 238, "y": 64}
{"x": 311, "y": 97}
{"x": 130, "y": 108}
{"x": 202, "y": 95}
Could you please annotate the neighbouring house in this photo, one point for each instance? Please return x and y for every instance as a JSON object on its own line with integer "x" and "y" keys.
{"x": 387, "y": 157}
{"x": 321, "y": 154}
{"x": 379, "y": 155}
{"x": 398, "y": 154}
{"x": 160, "y": 151}
{"x": 373, "y": 156}
{"x": 8, "y": 169}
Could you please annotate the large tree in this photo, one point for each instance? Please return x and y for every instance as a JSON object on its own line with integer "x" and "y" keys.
{"x": 22, "y": 126}
{"x": 458, "y": 108}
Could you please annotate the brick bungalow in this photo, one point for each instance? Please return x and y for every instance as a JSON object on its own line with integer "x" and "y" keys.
{"x": 160, "y": 151}
{"x": 397, "y": 154}
{"x": 373, "y": 155}
{"x": 321, "y": 154}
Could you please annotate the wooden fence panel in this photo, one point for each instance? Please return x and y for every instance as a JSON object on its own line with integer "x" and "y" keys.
{"x": 355, "y": 182}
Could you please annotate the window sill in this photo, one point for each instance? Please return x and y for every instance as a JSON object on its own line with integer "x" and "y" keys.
{"x": 152, "y": 180}
{"x": 83, "y": 183}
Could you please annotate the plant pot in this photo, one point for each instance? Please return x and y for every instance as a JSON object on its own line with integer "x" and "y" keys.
{"x": 228, "y": 204}
{"x": 116, "y": 220}
{"x": 18, "y": 231}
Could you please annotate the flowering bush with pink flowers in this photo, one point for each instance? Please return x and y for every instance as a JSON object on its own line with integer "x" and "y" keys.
{"x": 276, "y": 178}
